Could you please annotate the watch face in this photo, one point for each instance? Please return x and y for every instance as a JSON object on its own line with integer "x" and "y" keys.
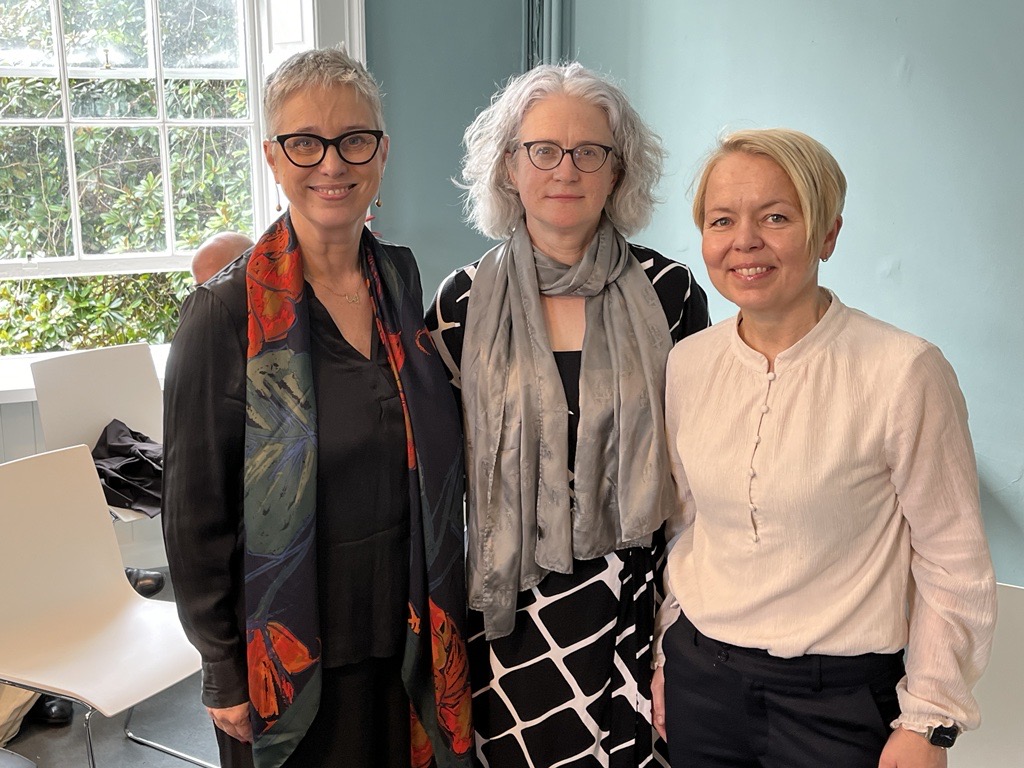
{"x": 944, "y": 736}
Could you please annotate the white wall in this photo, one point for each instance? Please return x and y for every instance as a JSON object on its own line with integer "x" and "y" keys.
{"x": 922, "y": 102}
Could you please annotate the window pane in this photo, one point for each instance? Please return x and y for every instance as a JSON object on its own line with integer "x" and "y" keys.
{"x": 211, "y": 99}
{"x": 119, "y": 189}
{"x": 35, "y": 218}
{"x": 211, "y": 182}
{"x": 30, "y": 97}
{"x": 201, "y": 34}
{"x": 109, "y": 35}
{"x": 94, "y": 97}
{"x": 26, "y": 38}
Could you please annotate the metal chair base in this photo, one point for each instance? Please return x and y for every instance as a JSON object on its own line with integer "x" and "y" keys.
{"x": 161, "y": 747}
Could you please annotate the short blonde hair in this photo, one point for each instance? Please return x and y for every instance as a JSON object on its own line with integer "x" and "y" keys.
{"x": 318, "y": 68}
{"x": 492, "y": 205}
{"x": 818, "y": 179}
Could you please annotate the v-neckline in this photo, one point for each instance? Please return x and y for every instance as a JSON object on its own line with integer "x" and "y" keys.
{"x": 374, "y": 340}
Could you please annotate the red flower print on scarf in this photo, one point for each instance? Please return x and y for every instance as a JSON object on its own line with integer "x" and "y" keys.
{"x": 394, "y": 342}
{"x": 274, "y": 655}
{"x": 424, "y": 343}
{"x": 451, "y": 688}
{"x": 422, "y": 754}
{"x": 274, "y": 285}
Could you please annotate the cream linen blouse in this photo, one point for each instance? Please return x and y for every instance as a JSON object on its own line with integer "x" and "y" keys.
{"x": 831, "y": 506}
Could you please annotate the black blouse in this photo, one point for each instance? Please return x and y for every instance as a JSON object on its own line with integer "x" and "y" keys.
{"x": 362, "y": 494}
{"x": 362, "y": 484}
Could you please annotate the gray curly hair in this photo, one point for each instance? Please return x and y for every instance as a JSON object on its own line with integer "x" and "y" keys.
{"x": 492, "y": 204}
{"x": 317, "y": 68}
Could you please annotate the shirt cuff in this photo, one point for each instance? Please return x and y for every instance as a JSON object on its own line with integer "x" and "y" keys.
{"x": 225, "y": 683}
{"x": 921, "y": 723}
{"x": 668, "y": 614}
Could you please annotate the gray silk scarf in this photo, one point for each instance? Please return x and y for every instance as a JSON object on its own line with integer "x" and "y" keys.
{"x": 520, "y": 525}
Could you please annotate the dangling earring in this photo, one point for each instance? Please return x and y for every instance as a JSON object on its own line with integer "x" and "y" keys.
{"x": 378, "y": 202}
{"x": 277, "y": 191}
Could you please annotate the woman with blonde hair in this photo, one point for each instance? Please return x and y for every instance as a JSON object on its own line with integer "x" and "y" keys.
{"x": 830, "y": 519}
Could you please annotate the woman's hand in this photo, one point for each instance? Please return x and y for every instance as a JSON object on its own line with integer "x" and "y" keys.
{"x": 907, "y": 749}
{"x": 234, "y": 721}
{"x": 658, "y": 701}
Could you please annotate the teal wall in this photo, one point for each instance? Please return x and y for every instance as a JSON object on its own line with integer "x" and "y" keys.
{"x": 438, "y": 64}
{"x": 922, "y": 102}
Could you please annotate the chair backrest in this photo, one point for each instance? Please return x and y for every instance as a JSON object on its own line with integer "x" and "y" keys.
{"x": 70, "y": 623}
{"x": 79, "y": 393}
{"x": 58, "y": 550}
{"x": 1000, "y": 693}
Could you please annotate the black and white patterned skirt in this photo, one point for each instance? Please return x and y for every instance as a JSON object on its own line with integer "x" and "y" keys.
{"x": 571, "y": 685}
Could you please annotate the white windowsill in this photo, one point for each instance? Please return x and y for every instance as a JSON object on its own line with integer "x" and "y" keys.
{"x": 16, "y": 385}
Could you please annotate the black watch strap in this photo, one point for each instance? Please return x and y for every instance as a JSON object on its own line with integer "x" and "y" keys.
{"x": 943, "y": 735}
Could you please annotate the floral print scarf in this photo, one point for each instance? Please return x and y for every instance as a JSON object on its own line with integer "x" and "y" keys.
{"x": 282, "y": 626}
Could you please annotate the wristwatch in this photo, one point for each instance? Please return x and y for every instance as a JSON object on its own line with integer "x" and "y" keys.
{"x": 942, "y": 735}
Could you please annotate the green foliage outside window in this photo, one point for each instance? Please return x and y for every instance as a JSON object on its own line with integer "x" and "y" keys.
{"x": 52, "y": 314}
{"x": 115, "y": 138}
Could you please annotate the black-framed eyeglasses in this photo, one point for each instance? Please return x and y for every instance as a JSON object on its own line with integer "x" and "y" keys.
{"x": 307, "y": 149}
{"x": 546, "y": 155}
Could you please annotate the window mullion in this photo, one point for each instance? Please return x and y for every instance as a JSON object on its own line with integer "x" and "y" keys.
{"x": 57, "y": 25}
{"x": 255, "y": 45}
{"x": 156, "y": 42}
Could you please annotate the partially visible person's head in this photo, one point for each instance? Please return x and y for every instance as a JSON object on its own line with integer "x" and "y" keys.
{"x": 321, "y": 69}
{"x": 217, "y": 252}
{"x": 493, "y": 203}
{"x": 819, "y": 182}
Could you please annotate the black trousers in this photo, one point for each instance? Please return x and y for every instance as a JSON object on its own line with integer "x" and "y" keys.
{"x": 363, "y": 722}
{"x": 733, "y": 707}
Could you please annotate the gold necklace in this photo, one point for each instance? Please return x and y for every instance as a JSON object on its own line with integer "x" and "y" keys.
{"x": 351, "y": 298}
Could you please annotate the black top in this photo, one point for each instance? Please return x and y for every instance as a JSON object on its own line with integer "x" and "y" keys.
{"x": 362, "y": 495}
{"x": 362, "y": 483}
{"x": 569, "y": 368}
{"x": 684, "y": 302}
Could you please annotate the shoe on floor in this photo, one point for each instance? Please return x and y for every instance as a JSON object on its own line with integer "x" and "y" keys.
{"x": 146, "y": 583}
{"x": 50, "y": 710}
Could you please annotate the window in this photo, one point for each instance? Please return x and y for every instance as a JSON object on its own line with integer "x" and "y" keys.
{"x": 126, "y": 130}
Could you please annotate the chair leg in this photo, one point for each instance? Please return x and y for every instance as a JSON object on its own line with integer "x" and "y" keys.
{"x": 159, "y": 747}
{"x": 88, "y": 736}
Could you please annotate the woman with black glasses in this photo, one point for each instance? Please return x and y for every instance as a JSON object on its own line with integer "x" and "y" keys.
{"x": 556, "y": 342}
{"x": 313, "y": 466}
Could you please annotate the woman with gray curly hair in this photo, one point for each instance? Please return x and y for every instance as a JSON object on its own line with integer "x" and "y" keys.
{"x": 556, "y": 342}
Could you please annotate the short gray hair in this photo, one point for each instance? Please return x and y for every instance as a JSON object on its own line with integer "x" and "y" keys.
{"x": 492, "y": 205}
{"x": 318, "y": 68}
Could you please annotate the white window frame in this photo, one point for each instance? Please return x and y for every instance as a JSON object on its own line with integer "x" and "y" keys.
{"x": 310, "y": 23}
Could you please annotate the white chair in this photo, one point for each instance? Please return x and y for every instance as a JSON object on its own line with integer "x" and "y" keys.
{"x": 91, "y": 638}
{"x": 79, "y": 393}
{"x": 999, "y": 743}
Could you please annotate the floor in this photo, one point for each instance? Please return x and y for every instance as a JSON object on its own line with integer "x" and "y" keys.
{"x": 175, "y": 718}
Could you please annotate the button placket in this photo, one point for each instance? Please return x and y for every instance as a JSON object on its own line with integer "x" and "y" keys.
{"x": 764, "y": 410}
